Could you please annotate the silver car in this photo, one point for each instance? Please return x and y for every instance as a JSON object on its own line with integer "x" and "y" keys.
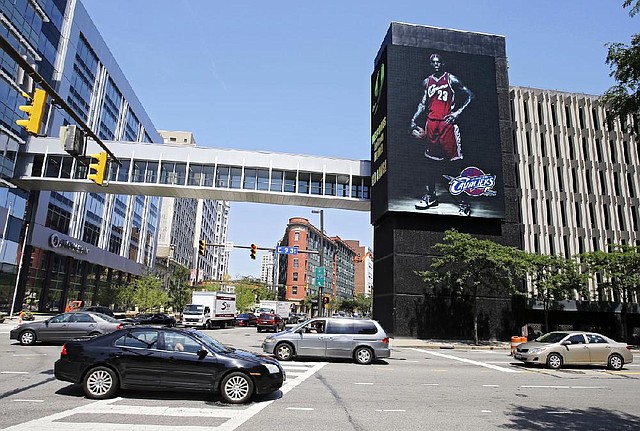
{"x": 556, "y": 349}
{"x": 360, "y": 339}
{"x": 64, "y": 327}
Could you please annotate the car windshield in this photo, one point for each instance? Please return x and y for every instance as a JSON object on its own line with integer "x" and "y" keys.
{"x": 211, "y": 343}
{"x": 193, "y": 309}
{"x": 552, "y": 337}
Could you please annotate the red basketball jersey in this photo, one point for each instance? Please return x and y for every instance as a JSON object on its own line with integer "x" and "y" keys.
{"x": 441, "y": 96}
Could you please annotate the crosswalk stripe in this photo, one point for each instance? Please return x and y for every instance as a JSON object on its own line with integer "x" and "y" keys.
{"x": 234, "y": 417}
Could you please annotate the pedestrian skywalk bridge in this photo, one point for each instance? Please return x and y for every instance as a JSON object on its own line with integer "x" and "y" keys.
{"x": 160, "y": 411}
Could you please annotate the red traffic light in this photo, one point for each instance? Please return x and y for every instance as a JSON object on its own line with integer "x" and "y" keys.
{"x": 325, "y": 300}
{"x": 254, "y": 249}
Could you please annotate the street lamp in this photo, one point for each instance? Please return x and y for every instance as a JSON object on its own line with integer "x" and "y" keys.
{"x": 320, "y": 287}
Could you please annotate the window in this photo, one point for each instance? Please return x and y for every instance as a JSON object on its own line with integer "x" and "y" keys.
{"x": 366, "y": 328}
{"x": 296, "y": 236}
{"x": 294, "y": 290}
{"x": 343, "y": 327}
{"x": 576, "y": 339}
{"x": 295, "y": 276}
{"x": 139, "y": 338}
{"x": 612, "y": 150}
{"x": 81, "y": 318}
{"x": 179, "y": 343}
{"x": 596, "y": 339}
{"x": 296, "y": 262}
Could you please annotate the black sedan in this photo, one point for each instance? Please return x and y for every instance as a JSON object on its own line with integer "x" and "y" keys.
{"x": 152, "y": 319}
{"x": 154, "y": 358}
{"x": 246, "y": 319}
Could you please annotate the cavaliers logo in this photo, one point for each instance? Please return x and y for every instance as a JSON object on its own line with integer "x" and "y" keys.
{"x": 472, "y": 181}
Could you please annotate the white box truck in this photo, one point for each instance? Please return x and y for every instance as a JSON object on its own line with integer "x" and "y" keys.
{"x": 281, "y": 308}
{"x": 209, "y": 309}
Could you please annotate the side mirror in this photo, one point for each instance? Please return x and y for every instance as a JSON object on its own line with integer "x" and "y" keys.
{"x": 566, "y": 343}
{"x": 202, "y": 353}
{"x": 46, "y": 322}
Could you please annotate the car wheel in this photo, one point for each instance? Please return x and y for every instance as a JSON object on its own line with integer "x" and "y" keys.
{"x": 100, "y": 383}
{"x": 554, "y": 361}
{"x": 27, "y": 338}
{"x": 259, "y": 329}
{"x": 363, "y": 355}
{"x": 236, "y": 388}
{"x": 283, "y": 352}
{"x": 615, "y": 362}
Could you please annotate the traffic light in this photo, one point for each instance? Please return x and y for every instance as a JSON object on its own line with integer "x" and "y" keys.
{"x": 35, "y": 111}
{"x": 202, "y": 247}
{"x": 254, "y": 249}
{"x": 325, "y": 300}
{"x": 100, "y": 168}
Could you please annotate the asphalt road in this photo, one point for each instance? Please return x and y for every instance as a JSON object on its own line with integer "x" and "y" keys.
{"x": 416, "y": 389}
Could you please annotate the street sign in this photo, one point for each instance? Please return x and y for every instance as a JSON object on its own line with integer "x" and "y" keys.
{"x": 228, "y": 246}
{"x": 287, "y": 250}
{"x": 320, "y": 276}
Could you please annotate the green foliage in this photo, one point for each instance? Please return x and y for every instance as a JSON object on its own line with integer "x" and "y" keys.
{"x": 468, "y": 266}
{"x": 250, "y": 291}
{"x": 623, "y": 98}
{"x": 149, "y": 294}
{"x": 363, "y": 303}
{"x": 178, "y": 290}
{"x": 554, "y": 279}
{"x": 620, "y": 269}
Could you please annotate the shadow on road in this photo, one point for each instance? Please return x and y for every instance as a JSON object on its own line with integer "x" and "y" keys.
{"x": 553, "y": 418}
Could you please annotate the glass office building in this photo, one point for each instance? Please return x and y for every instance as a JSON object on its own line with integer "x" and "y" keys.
{"x": 70, "y": 244}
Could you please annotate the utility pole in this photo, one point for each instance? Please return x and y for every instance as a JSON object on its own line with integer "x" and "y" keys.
{"x": 320, "y": 288}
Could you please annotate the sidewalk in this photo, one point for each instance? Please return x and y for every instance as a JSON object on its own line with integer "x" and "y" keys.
{"x": 448, "y": 344}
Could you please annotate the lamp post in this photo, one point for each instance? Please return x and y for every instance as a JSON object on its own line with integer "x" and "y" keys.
{"x": 320, "y": 287}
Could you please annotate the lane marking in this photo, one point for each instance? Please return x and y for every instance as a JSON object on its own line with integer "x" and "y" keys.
{"x": 560, "y": 413}
{"x": 236, "y": 417}
{"x": 29, "y": 354}
{"x": 14, "y": 372}
{"x": 431, "y": 384}
{"x": 469, "y": 361}
{"x": 390, "y": 410}
{"x": 491, "y": 386}
{"x": 363, "y": 383}
{"x": 300, "y": 408}
{"x": 485, "y": 411}
{"x": 27, "y": 401}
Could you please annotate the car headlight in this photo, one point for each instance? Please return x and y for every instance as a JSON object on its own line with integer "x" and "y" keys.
{"x": 536, "y": 350}
{"x": 273, "y": 369}
{"x": 269, "y": 340}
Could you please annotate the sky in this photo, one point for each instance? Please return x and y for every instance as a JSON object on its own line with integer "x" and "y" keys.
{"x": 293, "y": 76}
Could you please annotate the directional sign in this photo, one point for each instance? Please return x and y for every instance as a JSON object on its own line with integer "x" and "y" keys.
{"x": 287, "y": 250}
{"x": 320, "y": 276}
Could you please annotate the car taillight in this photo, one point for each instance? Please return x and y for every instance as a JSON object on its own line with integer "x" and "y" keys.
{"x": 628, "y": 347}
{"x": 385, "y": 340}
{"x": 63, "y": 352}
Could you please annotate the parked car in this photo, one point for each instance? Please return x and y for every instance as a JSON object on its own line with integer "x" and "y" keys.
{"x": 246, "y": 319}
{"x": 556, "y": 349}
{"x": 64, "y": 327}
{"x": 152, "y": 319}
{"x": 157, "y": 358}
{"x": 98, "y": 309}
{"x": 270, "y": 321}
{"x": 363, "y": 340}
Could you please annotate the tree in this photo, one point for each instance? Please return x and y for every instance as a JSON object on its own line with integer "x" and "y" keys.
{"x": 178, "y": 289}
{"x": 554, "y": 279}
{"x": 363, "y": 303}
{"x": 473, "y": 267}
{"x": 149, "y": 294}
{"x": 623, "y": 98}
{"x": 620, "y": 271}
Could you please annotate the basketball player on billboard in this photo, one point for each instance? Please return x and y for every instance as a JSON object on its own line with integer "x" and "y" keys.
{"x": 441, "y": 133}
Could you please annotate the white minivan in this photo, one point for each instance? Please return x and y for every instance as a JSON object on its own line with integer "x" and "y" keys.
{"x": 360, "y": 339}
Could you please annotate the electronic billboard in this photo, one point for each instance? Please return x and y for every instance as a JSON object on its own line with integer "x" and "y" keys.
{"x": 435, "y": 132}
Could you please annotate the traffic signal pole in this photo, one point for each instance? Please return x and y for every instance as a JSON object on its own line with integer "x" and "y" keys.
{"x": 56, "y": 99}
